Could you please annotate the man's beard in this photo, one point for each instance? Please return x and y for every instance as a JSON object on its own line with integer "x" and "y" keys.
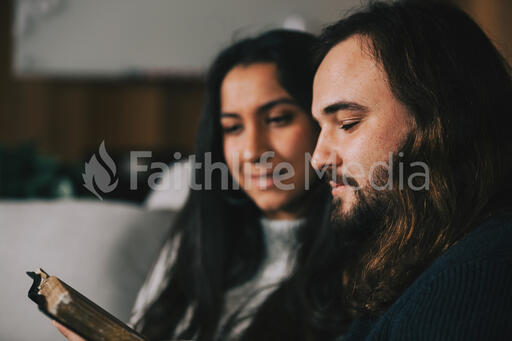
{"x": 366, "y": 217}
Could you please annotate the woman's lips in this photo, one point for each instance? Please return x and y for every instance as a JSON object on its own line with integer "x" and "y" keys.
{"x": 263, "y": 181}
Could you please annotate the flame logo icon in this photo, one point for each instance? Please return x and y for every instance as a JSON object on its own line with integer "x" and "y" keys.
{"x": 102, "y": 176}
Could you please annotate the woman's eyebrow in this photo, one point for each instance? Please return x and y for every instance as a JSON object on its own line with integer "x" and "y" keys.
{"x": 263, "y": 108}
{"x": 229, "y": 115}
{"x": 283, "y": 100}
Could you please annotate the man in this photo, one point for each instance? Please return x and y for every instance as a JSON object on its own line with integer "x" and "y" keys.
{"x": 413, "y": 102}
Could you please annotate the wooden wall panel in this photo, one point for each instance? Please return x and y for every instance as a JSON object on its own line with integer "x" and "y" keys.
{"x": 69, "y": 118}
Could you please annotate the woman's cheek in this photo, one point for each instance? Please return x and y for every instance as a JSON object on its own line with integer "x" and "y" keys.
{"x": 228, "y": 155}
{"x": 295, "y": 143}
{"x": 234, "y": 160}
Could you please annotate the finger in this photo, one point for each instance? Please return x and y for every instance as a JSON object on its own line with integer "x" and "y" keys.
{"x": 66, "y": 332}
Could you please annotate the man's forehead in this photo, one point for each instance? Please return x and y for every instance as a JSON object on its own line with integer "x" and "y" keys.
{"x": 344, "y": 73}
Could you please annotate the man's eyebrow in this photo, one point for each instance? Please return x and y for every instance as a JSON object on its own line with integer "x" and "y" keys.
{"x": 344, "y": 105}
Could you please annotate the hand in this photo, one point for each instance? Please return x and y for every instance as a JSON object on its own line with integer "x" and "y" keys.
{"x": 66, "y": 332}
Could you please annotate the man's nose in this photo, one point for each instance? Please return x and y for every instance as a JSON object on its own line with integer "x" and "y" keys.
{"x": 325, "y": 154}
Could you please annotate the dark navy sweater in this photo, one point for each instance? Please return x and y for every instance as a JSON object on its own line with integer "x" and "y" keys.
{"x": 466, "y": 294}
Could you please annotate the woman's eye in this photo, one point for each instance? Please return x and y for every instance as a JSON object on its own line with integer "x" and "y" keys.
{"x": 231, "y": 129}
{"x": 280, "y": 119}
{"x": 348, "y": 125}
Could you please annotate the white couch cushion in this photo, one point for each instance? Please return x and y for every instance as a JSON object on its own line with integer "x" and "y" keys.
{"x": 102, "y": 249}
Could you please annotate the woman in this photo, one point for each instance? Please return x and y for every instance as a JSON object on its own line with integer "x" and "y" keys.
{"x": 245, "y": 257}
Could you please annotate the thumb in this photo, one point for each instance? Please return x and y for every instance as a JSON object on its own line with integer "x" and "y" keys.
{"x": 66, "y": 332}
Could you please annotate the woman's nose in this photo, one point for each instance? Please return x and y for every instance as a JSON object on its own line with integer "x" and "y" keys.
{"x": 255, "y": 145}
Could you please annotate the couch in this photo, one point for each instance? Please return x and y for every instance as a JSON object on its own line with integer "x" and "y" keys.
{"x": 102, "y": 249}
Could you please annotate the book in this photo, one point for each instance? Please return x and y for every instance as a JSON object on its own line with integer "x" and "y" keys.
{"x": 76, "y": 312}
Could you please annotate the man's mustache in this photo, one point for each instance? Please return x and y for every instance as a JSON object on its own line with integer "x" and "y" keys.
{"x": 344, "y": 179}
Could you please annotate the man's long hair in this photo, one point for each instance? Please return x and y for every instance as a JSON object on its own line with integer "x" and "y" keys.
{"x": 458, "y": 88}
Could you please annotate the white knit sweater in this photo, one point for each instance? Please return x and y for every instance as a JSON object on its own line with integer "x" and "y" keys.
{"x": 240, "y": 302}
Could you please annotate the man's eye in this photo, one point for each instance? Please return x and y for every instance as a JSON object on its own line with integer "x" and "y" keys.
{"x": 348, "y": 125}
{"x": 231, "y": 129}
{"x": 280, "y": 119}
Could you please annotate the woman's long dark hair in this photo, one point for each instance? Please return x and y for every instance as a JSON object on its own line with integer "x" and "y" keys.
{"x": 458, "y": 88}
{"x": 221, "y": 242}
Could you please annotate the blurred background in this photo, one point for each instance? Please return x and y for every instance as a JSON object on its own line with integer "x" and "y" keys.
{"x": 129, "y": 74}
